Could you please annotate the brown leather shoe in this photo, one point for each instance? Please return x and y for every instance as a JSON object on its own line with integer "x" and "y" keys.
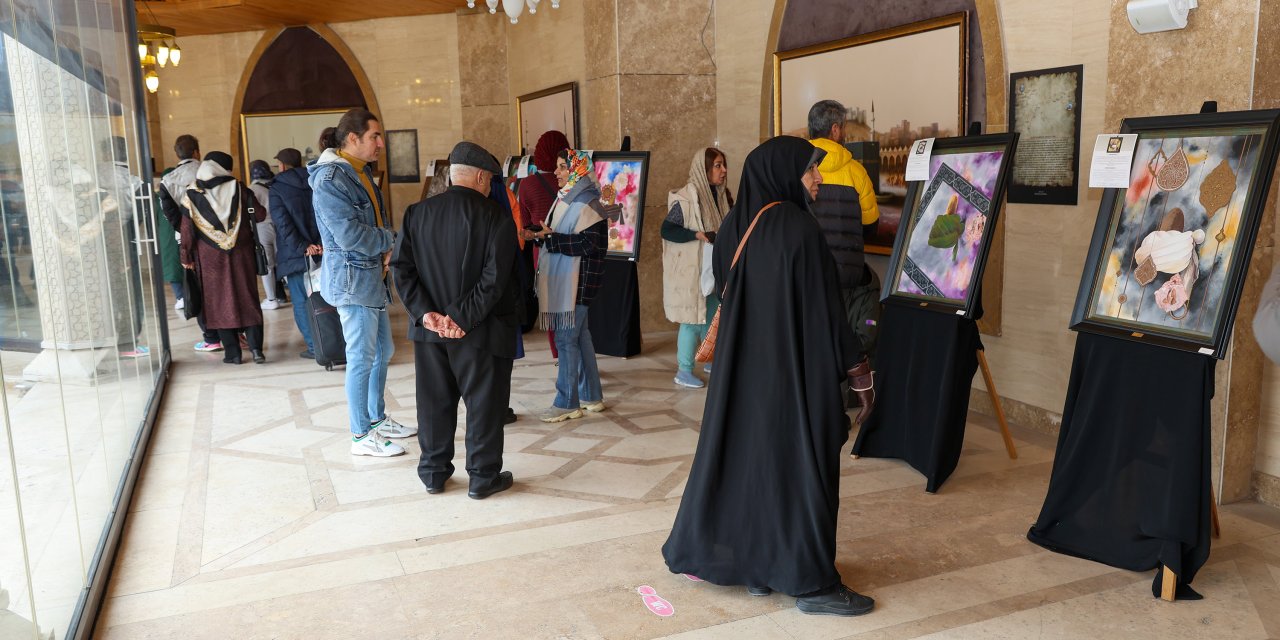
{"x": 862, "y": 383}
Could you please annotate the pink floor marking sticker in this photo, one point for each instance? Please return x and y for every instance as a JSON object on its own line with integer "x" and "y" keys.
{"x": 656, "y": 603}
{"x": 693, "y": 577}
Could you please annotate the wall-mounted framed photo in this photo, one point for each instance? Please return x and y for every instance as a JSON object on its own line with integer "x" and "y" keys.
{"x": 402, "y": 155}
{"x": 1044, "y": 110}
{"x": 1170, "y": 253}
{"x": 436, "y": 179}
{"x": 947, "y": 225}
{"x": 551, "y": 109}
{"x": 899, "y": 85}
{"x": 623, "y": 177}
{"x": 263, "y": 135}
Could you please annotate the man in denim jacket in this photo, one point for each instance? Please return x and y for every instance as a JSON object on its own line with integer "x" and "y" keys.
{"x": 357, "y": 240}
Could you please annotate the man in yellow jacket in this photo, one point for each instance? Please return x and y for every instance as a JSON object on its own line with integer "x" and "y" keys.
{"x": 847, "y": 212}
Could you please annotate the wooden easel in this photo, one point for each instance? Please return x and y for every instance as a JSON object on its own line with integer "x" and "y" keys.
{"x": 1169, "y": 582}
{"x": 995, "y": 402}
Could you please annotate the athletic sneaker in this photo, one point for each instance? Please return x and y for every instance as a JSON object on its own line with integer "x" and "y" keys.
{"x": 136, "y": 352}
{"x": 556, "y": 414}
{"x": 687, "y": 379}
{"x": 389, "y": 428}
{"x": 179, "y": 305}
{"x": 270, "y": 305}
{"x": 208, "y": 346}
{"x": 706, "y": 368}
{"x": 593, "y": 407}
{"x": 372, "y": 444}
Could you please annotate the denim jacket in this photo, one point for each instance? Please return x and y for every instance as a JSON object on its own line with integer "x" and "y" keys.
{"x": 351, "y": 271}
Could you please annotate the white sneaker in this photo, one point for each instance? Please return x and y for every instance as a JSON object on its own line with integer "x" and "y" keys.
{"x": 179, "y": 305}
{"x": 594, "y": 407}
{"x": 270, "y": 305}
{"x": 372, "y": 444}
{"x": 389, "y": 428}
{"x": 556, "y": 414}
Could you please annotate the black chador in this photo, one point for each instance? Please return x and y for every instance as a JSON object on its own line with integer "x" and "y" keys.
{"x": 760, "y": 506}
{"x": 454, "y": 256}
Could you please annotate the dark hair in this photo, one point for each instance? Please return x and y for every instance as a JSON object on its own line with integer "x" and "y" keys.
{"x": 708, "y": 159}
{"x": 328, "y": 138}
{"x": 353, "y": 121}
{"x": 260, "y": 170}
{"x": 823, "y": 115}
{"x": 186, "y": 146}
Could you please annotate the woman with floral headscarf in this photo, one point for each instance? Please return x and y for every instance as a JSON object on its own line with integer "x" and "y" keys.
{"x": 573, "y": 240}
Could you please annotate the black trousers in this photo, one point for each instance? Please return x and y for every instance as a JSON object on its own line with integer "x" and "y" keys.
{"x": 445, "y": 374}
{"x": 231, "y": 340}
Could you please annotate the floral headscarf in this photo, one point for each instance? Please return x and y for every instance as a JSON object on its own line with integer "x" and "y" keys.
{"x": 579, "y": 166}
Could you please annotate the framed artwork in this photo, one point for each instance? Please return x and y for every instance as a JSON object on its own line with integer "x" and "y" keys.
{"x": 402, "y": 155}
{"x": 922, "y": 94}
{"x": 1170, "y": 253}
{"x": 1044, "y": 110}
{"x": 552, "y": 109}
{"x": 437, "y": 179}
{"x": 949, "y": 219}
{"x": 623, "y": 176}
{"x": 265, "y": 134}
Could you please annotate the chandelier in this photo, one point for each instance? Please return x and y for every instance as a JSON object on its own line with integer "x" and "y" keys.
{"x": 155, "y": 50}
{"x": 513, "y": 8}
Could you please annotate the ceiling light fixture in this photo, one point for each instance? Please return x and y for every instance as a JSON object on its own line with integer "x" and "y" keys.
{"x": 513, "y": 8}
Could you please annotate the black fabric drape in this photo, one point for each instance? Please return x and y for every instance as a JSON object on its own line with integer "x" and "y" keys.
{"x": 1130, "y": 483}
{"x": 924, "y": 369}
{"x": 615, "y": 312}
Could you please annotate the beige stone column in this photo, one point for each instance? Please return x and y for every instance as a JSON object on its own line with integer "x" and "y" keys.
{"x": 482, "y": 71}
{"x": 651, "y": 75}
{"x": 76, "y": 233}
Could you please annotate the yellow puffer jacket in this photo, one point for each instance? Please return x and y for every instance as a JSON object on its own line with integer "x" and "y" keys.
{"x": 839, "y": 167}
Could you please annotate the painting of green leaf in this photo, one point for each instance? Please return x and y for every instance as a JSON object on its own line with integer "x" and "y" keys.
{"x": 947, "y": 229}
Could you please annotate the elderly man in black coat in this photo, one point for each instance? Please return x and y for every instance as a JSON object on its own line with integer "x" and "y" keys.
{"x": 455, "y": 270}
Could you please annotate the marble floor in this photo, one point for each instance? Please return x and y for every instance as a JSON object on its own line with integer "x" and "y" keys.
{"x": 251, "y": 520}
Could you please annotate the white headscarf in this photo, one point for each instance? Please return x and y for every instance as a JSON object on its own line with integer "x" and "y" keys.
{"x": 221, "y": 196}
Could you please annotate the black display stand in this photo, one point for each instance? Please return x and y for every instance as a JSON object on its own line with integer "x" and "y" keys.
{"x": 614, "y": 319}
{"x": 925, "y": 365}
{"x": 1131, "y": 485}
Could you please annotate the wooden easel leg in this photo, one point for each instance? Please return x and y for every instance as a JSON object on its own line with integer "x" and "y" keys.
{"x": 1169, "y": 585}
{"x": 1213, "y": 512}
{"x": 995, "y": 402}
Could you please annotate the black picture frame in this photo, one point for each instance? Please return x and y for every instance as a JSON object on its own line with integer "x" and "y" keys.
{"x": 621, "y": 215}
{"x": 1117, "y": 240}
{"x": 402, "y": 156}
{"x": 1020, "y": 190}
{"x": 924, "y": 193}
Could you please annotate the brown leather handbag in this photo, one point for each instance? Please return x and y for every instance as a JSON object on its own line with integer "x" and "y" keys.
{"x": 707, "y": 350}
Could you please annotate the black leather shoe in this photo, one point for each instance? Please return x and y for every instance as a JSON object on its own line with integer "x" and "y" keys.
{"x": 231, "y": 360}
{"x": 499, "y": 484}
{"x": 840, "y": 602}
{"x": 511, "y": 416}
{"x": 436, "y": 487}
{"x": 760, "y": 591}
{"x": 258, "y": 357}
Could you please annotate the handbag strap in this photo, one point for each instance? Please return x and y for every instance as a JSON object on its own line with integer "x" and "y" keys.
{"x": 743, "y": 242}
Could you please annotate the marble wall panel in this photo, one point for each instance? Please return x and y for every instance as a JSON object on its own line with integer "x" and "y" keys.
{"x": 196, "y": 97}
{"x": 482, "y": 58}
{"x": 671, "y": 142}
{"x": 489, "y": 127}
{"x": 648, "y": 43}
{"x": 545, "y": 50}
{"x": 599, "y": 106}
{"x": 600, "y": 38}
{"x": 1266, "y": 95}
{"x": 740, "y": 63}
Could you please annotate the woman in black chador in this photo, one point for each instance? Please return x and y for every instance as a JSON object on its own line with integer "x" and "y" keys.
{"x": 760, "y": 505}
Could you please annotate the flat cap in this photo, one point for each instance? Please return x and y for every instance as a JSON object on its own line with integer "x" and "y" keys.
{"x": 474, "y": 155}
{"x": 290, "y": 156}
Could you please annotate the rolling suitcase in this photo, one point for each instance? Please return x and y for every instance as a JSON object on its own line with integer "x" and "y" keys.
{"x": 326, "y": 330}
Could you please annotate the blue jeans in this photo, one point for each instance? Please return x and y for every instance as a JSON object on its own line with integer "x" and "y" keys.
{"x": 369, "y": 348}
{"x": 298, "y": 294}
{"x": 692, "y": 335}
{"x": 578, "y": 380}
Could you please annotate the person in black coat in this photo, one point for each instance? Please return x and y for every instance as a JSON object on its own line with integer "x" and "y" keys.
{"x": 297, "y": 238}
{"x": 454, "y": 266}
{"x": 763, "y": 495}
